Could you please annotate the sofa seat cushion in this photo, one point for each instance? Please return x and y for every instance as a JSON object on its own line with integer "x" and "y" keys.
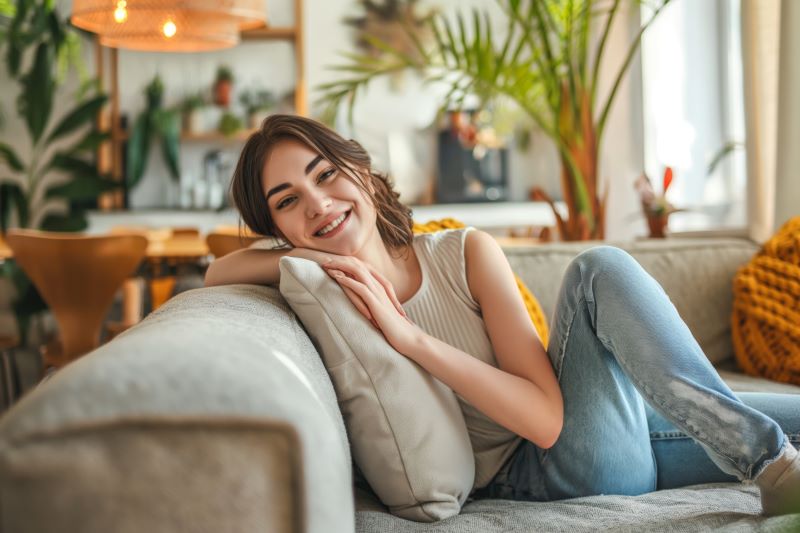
{"x": 723, "y": 506}
{"x": 740, "y": 382}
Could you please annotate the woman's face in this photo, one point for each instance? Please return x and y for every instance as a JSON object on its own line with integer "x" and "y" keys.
{"x": 313, "y": 204}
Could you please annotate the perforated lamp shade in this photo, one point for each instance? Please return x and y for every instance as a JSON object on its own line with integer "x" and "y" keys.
{"x": 168, "y": 25}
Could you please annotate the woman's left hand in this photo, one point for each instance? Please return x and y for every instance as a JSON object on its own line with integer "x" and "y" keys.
{"x": 374, "y": 290}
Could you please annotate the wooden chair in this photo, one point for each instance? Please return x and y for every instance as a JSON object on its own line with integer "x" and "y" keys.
{"x": 223, "y": 243}
{"x": 161, "y": 278}
{"x": 9, "y": 372}
{"x": 78, "y": 276}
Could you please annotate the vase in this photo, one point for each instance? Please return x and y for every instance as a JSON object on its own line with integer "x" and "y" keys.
{"x": 192, "y": 121}
{"x": 222, "y": 92}
{"x": 657, "y": 223}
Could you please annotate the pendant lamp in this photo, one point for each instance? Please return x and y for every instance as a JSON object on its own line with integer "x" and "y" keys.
{"x": 168, "y": 25}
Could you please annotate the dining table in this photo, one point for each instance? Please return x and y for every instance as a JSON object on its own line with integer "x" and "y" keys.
{"x": 5, "y": 251}
{"x": 167, "y": 252}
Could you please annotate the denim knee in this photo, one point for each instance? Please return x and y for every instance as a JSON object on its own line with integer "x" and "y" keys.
{"x": 601, "y": 257}
{"x": 610, "y": 263}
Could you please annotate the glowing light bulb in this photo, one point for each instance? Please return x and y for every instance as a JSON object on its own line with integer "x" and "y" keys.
{"x": 121, "y": 14}
{"x": 169, "y": 29}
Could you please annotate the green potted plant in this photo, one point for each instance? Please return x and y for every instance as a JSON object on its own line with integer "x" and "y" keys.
{"x": 229, "y": 124}
{"x": 223, "y": 86}
{"x": 656, "y": 208}
{"x": 154, "y": 123}
{"x": 544, "y": 64}
{"x": 52, "y": 183}
{"x": 190, "y": 112}
{"x": 258, "y": 105}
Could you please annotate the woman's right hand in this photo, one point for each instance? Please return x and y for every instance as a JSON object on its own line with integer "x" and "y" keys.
{"x": 324, "y": 257}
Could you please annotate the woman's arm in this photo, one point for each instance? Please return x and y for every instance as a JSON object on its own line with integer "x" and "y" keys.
{"x": 517, "y": 347}
{"x": 523, "y": 394}
{"x": 516, "y": 403}
{"x": 254, "y": 265}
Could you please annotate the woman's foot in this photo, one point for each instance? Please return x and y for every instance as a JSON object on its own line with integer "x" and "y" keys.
{"x": 780, "y": 483}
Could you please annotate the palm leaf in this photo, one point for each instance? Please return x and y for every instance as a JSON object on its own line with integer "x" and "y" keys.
{"x": 35, "y": 101}
{"x": 80, "y": 116}
{"x": 71, "y": 163}
{"x": 12, "y": 198}
{"x": 72, "y": 221}
{"x": 91, "y": 141}
{"x": 82, "y": 187}
{"x": 634, "y": 46}
{"x": 138, "y": 149}
{"x": 10, "y": 156}
{"x": 170, "y": 130}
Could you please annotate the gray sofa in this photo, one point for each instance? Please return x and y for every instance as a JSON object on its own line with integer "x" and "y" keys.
{"x": 215, "y": 414}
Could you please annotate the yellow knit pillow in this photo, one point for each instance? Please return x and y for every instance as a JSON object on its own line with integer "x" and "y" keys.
{"x": 766, "y": 308}
{"x": 534, "y": 309}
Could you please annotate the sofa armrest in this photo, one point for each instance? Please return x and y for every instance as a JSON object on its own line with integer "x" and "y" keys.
{"x": 213, "y": 414}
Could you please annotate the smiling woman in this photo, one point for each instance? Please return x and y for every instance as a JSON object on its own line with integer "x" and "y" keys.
{"x": 619, "y": 360}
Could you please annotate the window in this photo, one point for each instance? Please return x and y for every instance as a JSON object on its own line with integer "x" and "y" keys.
{"x": 693, "y": 106}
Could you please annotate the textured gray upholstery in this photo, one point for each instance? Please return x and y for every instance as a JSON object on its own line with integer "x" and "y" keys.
{"x": 213, "y": 414}
{"x": 216, "y": 414}
{"x": 695, "y": 273}
{"x": 714, "y": 507}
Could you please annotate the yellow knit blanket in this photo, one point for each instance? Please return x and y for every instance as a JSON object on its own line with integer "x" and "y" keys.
{"x": 531, "y": 303}
{"x": 766, "y": 309}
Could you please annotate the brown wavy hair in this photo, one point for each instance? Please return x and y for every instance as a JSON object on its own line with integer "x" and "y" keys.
{"x": 348, "y": 156}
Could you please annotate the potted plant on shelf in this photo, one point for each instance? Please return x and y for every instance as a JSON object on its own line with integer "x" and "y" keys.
{"x": 223, "y": 86}
{"x": 190, "y": 113}
{"x": 656, "y": 208}
{"x": 154, "y": 123}
{"x": 52, "y": 187}
{"x": 258, "y": 105}
{"x": 544, "y": 63}
{"x": 229, "y": 124}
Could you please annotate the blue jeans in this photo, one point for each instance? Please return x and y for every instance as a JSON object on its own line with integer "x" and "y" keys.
{"x": 643, "y": 407}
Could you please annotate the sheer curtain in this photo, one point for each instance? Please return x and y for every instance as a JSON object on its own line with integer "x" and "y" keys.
{"x": 770, "y": 49}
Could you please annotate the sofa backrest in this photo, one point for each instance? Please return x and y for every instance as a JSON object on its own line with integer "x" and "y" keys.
{"x": 695, "y": 273}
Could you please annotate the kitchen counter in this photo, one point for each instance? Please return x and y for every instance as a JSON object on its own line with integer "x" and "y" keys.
{"x": 495, "y": 218}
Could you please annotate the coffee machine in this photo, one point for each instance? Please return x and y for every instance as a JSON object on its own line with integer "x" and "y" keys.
{"x": 468, "y": 169}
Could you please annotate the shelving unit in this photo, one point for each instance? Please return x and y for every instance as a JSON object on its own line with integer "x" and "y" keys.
{"x": 109, "y": 158}
{"x": 213, "y": 136}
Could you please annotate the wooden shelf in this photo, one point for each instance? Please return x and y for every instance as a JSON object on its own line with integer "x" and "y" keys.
{"x": 110, "y": 157}
{"x": 213, "y": 136}
{"x": 286, "y": 33}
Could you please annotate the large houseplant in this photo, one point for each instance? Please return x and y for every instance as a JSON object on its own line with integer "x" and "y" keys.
{"x": 51, "y": 187}
{"x": 546, "y": 63}
{"x": 154, "y": 123}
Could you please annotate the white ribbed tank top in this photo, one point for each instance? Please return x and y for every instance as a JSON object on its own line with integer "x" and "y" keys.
{"x": 444, "y": 308}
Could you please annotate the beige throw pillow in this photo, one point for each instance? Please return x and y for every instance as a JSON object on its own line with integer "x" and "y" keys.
{"x": 406, "y": 430}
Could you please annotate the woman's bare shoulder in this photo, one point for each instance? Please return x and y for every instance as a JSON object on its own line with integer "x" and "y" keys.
{"x": 486, "y": 265}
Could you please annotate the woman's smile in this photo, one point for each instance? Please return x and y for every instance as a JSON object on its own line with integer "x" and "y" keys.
{"x": 335, "y": 227}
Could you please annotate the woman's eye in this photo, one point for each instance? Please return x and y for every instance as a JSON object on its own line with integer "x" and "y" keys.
{"x": 325, "y": 175}
{"x": 286, "y": 201}
{"x": 322, "y": 177}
